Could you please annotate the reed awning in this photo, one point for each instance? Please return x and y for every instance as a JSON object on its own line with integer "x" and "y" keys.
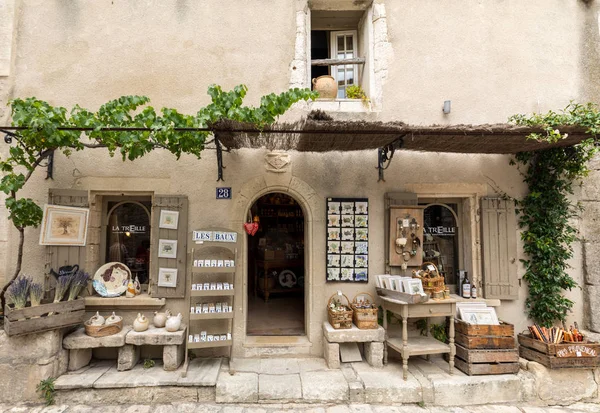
{"x": 329, "y": 135}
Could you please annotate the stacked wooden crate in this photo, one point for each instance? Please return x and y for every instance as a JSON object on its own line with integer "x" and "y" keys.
{"x": 565, "y": 355}
{"x": 485, "y": 349}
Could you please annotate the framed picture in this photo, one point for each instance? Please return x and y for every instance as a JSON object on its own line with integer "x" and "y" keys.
{"x": 167, "y": 277}
{"x": 413, "y": 286}
{"x": 168, "y": 219}
{"x": 167, "y": 248}
{"x": 479, "y": 316}
{"x": 63, "y": 225}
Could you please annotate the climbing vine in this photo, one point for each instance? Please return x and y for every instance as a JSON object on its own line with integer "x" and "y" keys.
{"x": 125, "y": 125}
{"x": 546, "y": 213}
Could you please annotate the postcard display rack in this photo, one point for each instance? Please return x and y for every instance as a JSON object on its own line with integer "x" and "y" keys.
{"x": 347, "y": 239}
{"x": 211, "y": 290}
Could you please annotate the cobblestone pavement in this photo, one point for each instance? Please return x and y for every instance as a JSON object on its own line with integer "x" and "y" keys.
{"x": 296, "y": 408}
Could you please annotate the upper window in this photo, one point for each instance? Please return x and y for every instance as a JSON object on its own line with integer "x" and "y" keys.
{"x": 335, "y": 38}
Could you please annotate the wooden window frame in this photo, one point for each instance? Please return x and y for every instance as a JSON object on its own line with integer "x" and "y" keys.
{"x": 333, "y": 50}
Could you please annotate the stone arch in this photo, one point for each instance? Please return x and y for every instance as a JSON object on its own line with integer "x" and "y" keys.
{"x": 312, "y": 208}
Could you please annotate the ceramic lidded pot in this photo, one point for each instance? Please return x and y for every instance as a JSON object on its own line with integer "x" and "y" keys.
{"x": 326, "y": 86}
{"x": 160, "y": 319}
{"x": 113, "y": 319}
{"x": 173, "y": 322}
{"x": 141, "y": 323}
{"x": 96, "y": 320}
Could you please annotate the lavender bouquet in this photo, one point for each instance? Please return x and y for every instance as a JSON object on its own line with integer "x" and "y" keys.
{"x": 62, "y": 285}
{"x": 36, "y": 293}
{"x": 78, "y": 281}
{"x": 18, "y": 291}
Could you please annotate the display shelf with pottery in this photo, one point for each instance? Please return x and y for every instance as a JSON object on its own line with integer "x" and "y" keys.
{"x": 212, "y": 293}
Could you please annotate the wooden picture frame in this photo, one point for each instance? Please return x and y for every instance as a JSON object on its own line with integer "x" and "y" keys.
{"x": 167, "y": 248}
{"x": 63, "y": 225}
{"x": 479, "y": 316}
{"x": 168, "y": 219}
{"x": 413, "y": 286}
{"x": 167, "y": 277}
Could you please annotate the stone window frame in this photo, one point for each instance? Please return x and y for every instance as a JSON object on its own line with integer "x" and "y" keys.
{"x": 375, "y": 70}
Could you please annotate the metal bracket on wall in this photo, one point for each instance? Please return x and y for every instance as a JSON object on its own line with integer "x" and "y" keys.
{"x": 386, "y": 154}
{"x": 220, "y": 166}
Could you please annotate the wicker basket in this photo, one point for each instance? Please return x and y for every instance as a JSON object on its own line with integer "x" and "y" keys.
{"x": 104, "y": 330}
{"x": 364, "y": 318}
{"x": 433, "y": 282}
{"x": 339, "y": 319}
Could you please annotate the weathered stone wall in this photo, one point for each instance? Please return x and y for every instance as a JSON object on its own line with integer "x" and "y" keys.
{"x": 590, "y": 232}
{"x": 28, "y": 359}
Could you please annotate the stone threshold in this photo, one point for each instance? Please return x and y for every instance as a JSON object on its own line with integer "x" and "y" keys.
{"x": 277, "y": 341}
{"x": 104, "y": 375}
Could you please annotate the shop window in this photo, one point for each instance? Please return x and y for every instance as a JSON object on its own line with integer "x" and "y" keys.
{"x": 128, "y": 236}
{"x": 441, "y": 239}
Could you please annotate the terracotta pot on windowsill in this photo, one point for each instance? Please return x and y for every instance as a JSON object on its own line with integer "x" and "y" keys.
{"x": 326, "y": 86}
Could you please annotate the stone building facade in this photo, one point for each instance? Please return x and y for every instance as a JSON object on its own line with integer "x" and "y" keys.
{"x": 490, "y": 59}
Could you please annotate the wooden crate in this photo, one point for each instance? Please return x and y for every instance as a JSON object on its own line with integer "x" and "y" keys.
{"x": 474, "y": 369}
{"x": 484, "y": 342}
{"x": 587, "y": 349}
{"x": 553, "y": 362}
{"x": 555, "y": 356}
{"x": 502, "y": 330}
{"x": 487, "y": 356}
{"x": 37, "y": 319}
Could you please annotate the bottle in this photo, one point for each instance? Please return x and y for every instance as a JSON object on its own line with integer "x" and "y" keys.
{"x": 473, "y": 291}
{"x": 466, "y": 287}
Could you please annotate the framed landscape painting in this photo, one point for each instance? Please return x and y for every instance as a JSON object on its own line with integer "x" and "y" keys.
{"x": 63, "y": 225}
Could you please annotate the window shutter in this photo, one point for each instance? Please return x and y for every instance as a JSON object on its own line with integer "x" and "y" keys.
{"x": 177, "y": 203}
{"x": 499, "y": 239}
{"x": 58, "y": 256}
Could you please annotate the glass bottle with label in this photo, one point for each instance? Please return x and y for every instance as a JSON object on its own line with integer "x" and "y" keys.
{"x": 466, "y": 287}
{"x": 473, "y": 291}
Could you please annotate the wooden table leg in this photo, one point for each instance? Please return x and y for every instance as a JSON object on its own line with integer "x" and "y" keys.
{"x": 427, "y": 323}
{"x": 452, "y": 346}
{"x": 405, "y": 347}
{"x": 385, "y": 350}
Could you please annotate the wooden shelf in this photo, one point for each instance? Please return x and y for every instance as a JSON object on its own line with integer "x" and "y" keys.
{"x": 419, "y": 345}
{"x": 212, "y": 316}
{"x": 214, "y": 270}
{"x": 207, "y": 344}
{"x": 140, "y": 302}
{"x": 212, "y": 293}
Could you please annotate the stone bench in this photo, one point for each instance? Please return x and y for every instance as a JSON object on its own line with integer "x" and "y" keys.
{"x": 80, "y": 346}
{"x": 172, "y": 342}
{"x": 372, "y": 339}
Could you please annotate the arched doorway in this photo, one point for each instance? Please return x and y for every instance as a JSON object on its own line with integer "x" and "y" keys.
{"x": 276, "y": 272}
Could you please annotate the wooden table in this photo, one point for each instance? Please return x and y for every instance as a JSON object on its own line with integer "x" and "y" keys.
{"x": 267, "y": 265}
{"x": 419, "y": 345}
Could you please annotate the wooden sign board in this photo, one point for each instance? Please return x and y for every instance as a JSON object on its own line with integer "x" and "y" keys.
{"x": 577, "y": 350}
{"x": 406, "y": 236}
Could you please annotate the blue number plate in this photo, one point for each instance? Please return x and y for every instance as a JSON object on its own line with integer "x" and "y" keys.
{"x": 224, "y": 193}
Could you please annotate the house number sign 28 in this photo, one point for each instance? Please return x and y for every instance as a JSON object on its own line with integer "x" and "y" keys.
{"x": 224, "y": 193}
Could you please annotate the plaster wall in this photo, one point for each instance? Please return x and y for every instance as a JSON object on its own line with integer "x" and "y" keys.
{"x": 492, "y": 59}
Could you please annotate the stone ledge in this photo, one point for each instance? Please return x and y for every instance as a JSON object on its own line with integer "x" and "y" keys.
{"x": 141, "y": 302}
{"x": 156, "y": 337}
{"x": 353, "y": 334}
{"x": 79, "y": 340}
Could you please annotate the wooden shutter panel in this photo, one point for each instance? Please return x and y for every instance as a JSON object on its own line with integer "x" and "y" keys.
{"x": 499, "y": 239}
{"x": 58, "y": 256}
{"x": 169, "y": 203}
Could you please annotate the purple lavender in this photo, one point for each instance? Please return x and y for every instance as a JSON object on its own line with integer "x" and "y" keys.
{"x": 18, "y": 291}
{"x": 78, "y": 281}
{"x": 62, "y": 285}
{"x": 36, "y": 293}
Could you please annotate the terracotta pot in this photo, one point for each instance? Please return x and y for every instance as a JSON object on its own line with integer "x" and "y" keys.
{"x": 326, "y": 86}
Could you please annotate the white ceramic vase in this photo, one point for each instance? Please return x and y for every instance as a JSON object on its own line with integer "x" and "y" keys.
{"x": 141, "y": 323}
{"x": 160, "y": 319}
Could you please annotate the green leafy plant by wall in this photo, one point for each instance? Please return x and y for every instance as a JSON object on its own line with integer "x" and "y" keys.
{"x": 46, "y": 388}
{"x": 547, "y": 212}
{"x": 357, "y": 92}
{"x": 48, "y": 128}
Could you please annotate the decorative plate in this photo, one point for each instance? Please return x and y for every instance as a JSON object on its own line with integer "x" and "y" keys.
{"x": 287, "y": 278}
{"x": 111, "y": 279}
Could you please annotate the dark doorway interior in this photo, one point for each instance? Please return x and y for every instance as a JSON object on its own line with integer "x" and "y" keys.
{"x": 276, "y": 268}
